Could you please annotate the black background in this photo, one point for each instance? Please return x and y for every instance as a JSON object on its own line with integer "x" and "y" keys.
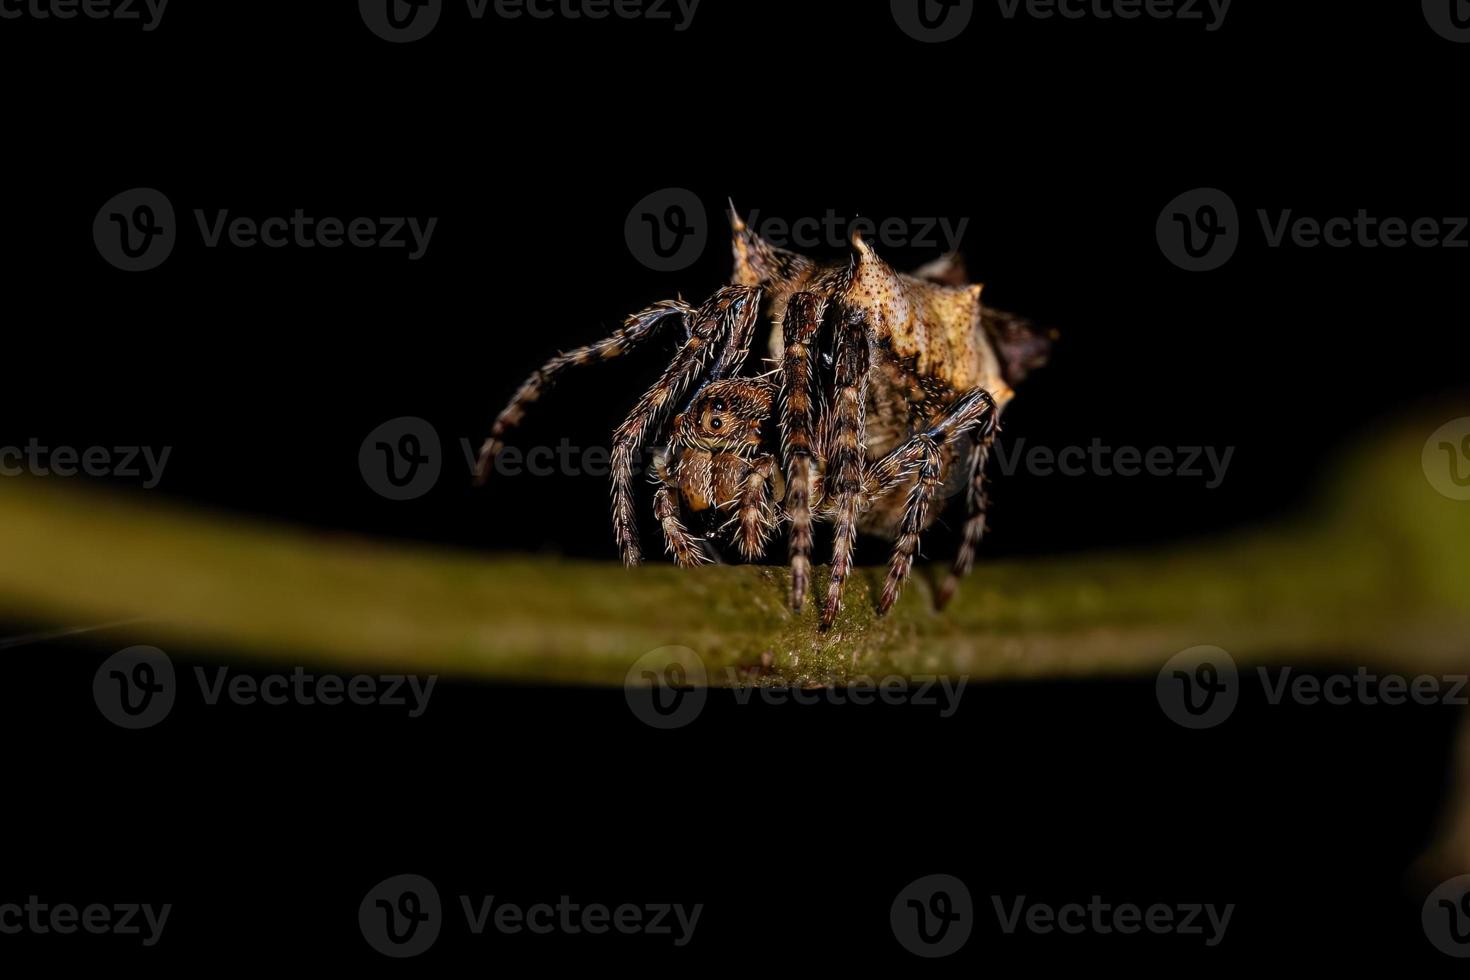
{"x": 264, "y": 369}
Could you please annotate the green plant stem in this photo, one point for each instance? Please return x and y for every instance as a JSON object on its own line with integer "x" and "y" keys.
{"x": 1379, "y": 576}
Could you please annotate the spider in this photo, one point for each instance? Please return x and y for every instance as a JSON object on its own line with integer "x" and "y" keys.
{"x": 883, "y": 388}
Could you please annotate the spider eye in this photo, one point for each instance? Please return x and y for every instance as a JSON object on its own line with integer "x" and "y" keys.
{"x": 715, "y": 423}
{"x": 719, "y": 405}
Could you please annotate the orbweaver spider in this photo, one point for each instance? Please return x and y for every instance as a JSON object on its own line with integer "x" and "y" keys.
{"x": 883, "y": 387}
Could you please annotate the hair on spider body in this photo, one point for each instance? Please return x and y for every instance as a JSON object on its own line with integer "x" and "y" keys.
{"x": 883, "y": 387}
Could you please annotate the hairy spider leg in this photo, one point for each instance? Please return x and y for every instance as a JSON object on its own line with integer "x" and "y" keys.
{"x": 846, "y": 453}
{"x": 721, "y": 317}
{"x": 635, "y": 330}
{"x": 798, "y": 432}
{"x": 971, "y": 415}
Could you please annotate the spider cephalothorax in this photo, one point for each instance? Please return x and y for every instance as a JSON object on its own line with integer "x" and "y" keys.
{"x": 881, "y": 387}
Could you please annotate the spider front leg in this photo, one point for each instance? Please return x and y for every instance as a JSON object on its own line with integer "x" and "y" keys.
{"x": 848, "y": 438}
{"x": 687, "y": 550}
{"x": 972, "y": 414}
{"x": 930, "y": 467}
{"x": 724, "y": 315}
{"x": 635, "y": 330}
{"x": 798, "y": 432}
{"x": 975, "y": 504}
{"x": 755, "y": 512}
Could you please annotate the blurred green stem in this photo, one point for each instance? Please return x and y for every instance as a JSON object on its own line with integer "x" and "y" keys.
{"x": 1378, "y": 577}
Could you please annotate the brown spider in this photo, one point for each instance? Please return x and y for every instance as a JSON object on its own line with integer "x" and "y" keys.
{"x": 882, "y": 387}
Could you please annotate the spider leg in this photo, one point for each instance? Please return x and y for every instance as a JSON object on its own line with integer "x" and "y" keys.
{"x": 930, "y": 467}
{"x": 975, "y": 504}
{"x": 848, "y": 437}
{"x": 798, "y": 432}
{"x": 635, "y": 330}
{"x": 721, "y": 317}
{"x": 754, "y": 509}
{"x": 973, "y": 414}
{"x": 687, "y": 550}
